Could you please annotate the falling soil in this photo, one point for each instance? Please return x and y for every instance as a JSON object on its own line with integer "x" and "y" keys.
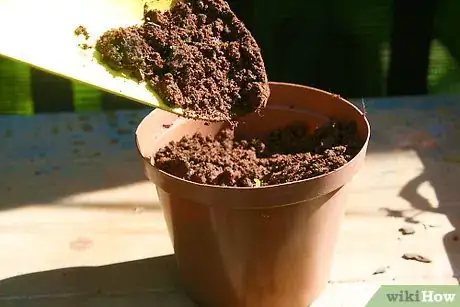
{"x": 197, "y": 56}
{"x": 81, "y": 30}
{"x": 84, "y": 46}
{"x": 285, "y": 155}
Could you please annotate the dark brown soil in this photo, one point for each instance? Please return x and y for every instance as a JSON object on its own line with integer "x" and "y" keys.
{"x": 416, "y": 257}
{"x": 407, "y": 230}
{"x": 81, "y": 30}
{"x": 85, "y": 46}
{"x": 286, "y": 155}
{"x": 198, "y": 56}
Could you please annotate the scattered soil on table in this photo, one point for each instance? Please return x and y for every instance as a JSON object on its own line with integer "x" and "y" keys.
{"x": 81, "y": 30}
{"x": 381, "y": 270}
{"x": 285, "y": 155}
{"x": 197, "y": 56}
{"x": 416, "y": 257}
{"x": 407, "y": 230}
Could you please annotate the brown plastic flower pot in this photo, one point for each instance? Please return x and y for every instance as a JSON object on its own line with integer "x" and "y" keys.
{"x": 251, "y": 247}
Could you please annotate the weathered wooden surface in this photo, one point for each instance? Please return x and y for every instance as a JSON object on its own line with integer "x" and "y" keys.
{"x": 80, "y": 226}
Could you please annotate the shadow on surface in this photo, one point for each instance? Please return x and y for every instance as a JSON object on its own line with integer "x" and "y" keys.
{"x": 148, "y": 282}
{"x": 444, "y": 180}
{"x": 426, "y": 129}
{"x": 49, "y": 157}
{"x": 105, "y": 182}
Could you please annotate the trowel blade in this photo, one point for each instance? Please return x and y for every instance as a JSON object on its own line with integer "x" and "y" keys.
{"x": 42, "y": 33}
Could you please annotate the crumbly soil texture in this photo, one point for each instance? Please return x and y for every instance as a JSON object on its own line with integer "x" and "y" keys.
{"x": 197, "y": 56}
{"x": 81, "y": 30}
{"x": 285, "y": 155}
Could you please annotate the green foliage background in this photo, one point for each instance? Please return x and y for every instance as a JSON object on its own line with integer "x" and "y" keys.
{"x": 337, "y": 45}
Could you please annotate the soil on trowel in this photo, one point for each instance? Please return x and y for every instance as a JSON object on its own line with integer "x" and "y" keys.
{"x": 285, "y": 155}
{"x": 197, "y": 56}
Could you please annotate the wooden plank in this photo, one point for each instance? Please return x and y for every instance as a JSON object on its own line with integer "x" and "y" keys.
{"x": 80, "y": 225}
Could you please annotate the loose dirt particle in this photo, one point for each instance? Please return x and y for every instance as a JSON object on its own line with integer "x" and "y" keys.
{"x": 455, "y": 238}
{"x": 84, "y": 46}
{"x": 407, "y": 230}
{"x": 197, "y": 56}
{"x": 416, "y": 257}
{"x": 81, "y": 30}
{"x": 285, "y": 155}
{"x": 380, "y": 270}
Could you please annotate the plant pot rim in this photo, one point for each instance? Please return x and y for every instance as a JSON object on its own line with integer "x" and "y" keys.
{"x": 148, "y": 160}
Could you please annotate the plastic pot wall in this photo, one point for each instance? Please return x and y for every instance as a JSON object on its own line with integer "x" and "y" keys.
{"x": 249, "y": 247}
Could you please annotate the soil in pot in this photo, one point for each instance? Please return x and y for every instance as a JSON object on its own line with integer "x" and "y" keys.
{"x": 197, "y": 56}
{"x": 288, "y": 154}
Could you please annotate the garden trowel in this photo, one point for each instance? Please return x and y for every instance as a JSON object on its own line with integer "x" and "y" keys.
{"x": 42, "y": 33}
